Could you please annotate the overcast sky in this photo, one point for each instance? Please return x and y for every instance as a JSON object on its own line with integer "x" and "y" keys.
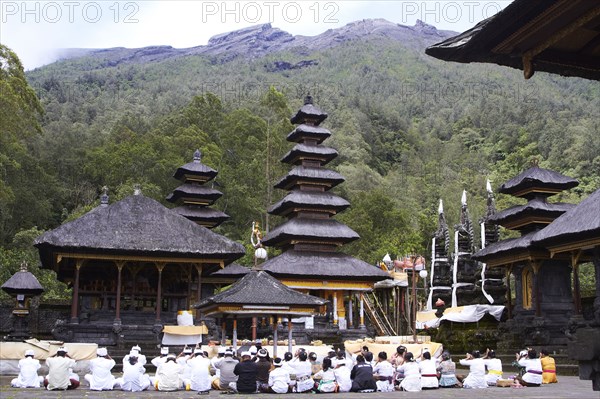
{"x": 37, "y": 30}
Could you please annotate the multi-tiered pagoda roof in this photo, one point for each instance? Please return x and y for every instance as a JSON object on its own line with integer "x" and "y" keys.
{"x": 193, "y": 197}
{"x": 310, "y": 237}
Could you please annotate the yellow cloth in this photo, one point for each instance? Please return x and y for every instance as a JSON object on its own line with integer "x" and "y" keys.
{"x": 185, "y": 330}
{"x": 435, "y": 348}
{"x": 548, "y": 370}
{"x": 45, "y": 349}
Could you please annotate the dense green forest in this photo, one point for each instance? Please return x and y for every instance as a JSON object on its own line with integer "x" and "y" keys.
{"x": 409, "y": 129}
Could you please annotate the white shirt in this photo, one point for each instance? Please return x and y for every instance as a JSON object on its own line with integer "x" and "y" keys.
{"x": 141, "y": 359}
{"x": 494, "y": 367}
{"x": 185, "y": 369}
{"x": 412, "y": 376}
{"x": 279, "y": 380}
{"x": 59, "y": 372}
{"x": 342, "y": 376}
{"x": 199, "y": 373}
{"x": 428, "y": 368}
{"x": 303, "y": 373}
{"x": 158, "y": 360}
{"x": 101, "y": 377}
{"x": 476, "y": 377}
{"x": 133, "y": 378}
{"x": 167, "y": 375}
{"x": 28, "y": 377}
{"x": 532, "y": 365}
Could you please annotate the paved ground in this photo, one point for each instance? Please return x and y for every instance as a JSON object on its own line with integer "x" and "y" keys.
{"x": 568, "y": 387}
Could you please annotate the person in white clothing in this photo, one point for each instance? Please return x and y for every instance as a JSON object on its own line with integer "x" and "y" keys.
{"x": 384, "y": 373}
{"x": 412, "y": 375}
{"x": 140, "y": 358}
{"x": 199, "y": 365}
{"x": 476, "y": 377}
{"x": 279, "y": 378}
{"x": 60, "y": 371}
{"x": 182, "y": 359}
{"x": 493, "y": 366}
{"x": 167, "y": 376}
{"x": 100, "y": 378}
{"x": 134, "y": 377}
{"x": 303, "y": 368}
{"x": 28, "y": 376}
{"x": 428, "y": 370}
{"x": 164, "y": 351}
{"x": 326, "y": 378}
{"x": 342, "y": 376}
{"x": 533, "y": 369}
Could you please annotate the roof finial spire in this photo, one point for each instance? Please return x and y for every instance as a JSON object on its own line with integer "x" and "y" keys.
{"x": 308, "y": 99}
{"x": 24, "y": 266}
{"x": 488, "y": 186}
{"x": 463, "y": 200}
{"x": 197, "y": 156}
{"x": 104, "y": 196}
{"x": 441, "y": 207}
{"x": 137, "y": 190}
{"x": 535, "y": 162}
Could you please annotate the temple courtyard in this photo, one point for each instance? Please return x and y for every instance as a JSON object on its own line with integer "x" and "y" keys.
{"x": 568, "y": 387}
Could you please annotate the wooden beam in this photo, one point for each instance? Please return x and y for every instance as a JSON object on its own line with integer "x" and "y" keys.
{"x": 138, "y": 258}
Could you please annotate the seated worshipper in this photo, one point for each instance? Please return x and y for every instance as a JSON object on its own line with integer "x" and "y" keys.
{"x": 325, "y": 378}
{"x": 362, "y": 376}
{"x": 279, "y": 378}
{"x": 302, "y": 367}
{"x": 315, "y": 364}
{"x": 447, "y": 370}
{"x": 141, "y": 358}
{"x": 182, "y": 359}
{"x": 384, "y": 373}
{"x": 164, "y": 351}
{"x": 225, "y": 367}
{"x": 134, "y": 377}
{"x": 216, "y": 373}
{"x": 60, "y": 372}
{"x": 398, "y": 357}
{"x": 533, "y": 370}
{"x": 246, "y": 372}
{"x": 342, "y": 359}
{"x": 412, "y": 375}
{"x": 476, "y": 377}
{"x": 168, "y": 375}
{"x": 428, "y": 370}
{"x": 100, "y": 378}
{"x": 548, "y": 368}
{"x": 263, "y": 366}
{"x": 342, "y": 374}
{"x": 369, "y": 358}
{"x": 199, "y": 379}
{"x": 288, "y": 363}
{"x": 28, "y": 376}
{"x": 493, "y": 366}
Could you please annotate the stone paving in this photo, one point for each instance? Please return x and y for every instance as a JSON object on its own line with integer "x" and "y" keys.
{"x": 568, "y": 387}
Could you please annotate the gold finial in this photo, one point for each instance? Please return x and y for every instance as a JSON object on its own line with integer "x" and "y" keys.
{"x": 535, "y": 162}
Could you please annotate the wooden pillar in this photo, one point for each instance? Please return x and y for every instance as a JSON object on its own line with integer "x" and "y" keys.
{"x": 198, "y": 266}
{"x": 120, "y": 264}
{"x": 188, "y": 299}
{"x": 508, "y": 292}
{"x": 223, "y": 331}
{"x": 254, "y": 326}
{"x": 234, "y": 339}
{"x": 361, "y": 312}
{"x": 597, "y": 275}
{"x": 576, "y": 285}
{"x": 290, "y": 333}
{"x": 536, "y": 282}
{"x": 75, "y": 302}
{"x": 350, "y": 310}
{"x": 160, "y": 266}
{"x": 341, "y": 313}
{"x": 274, "y": 337}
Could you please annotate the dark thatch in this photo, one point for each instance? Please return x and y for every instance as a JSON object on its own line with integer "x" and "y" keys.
{"x": 195, "y": 213}
{"x": 330, "y": 265}
{"x": 304, "y": 173}
{"x": 525, "y": 25}
{"x": 581, "y": 222}
{"x": 311, "y": 200}
{"x": 259, "y": 288}
{"x": 301, "y": 132}
{"x": 324, "y": 230}
{"x": 504, "y": 247}
{"x": 194, "y": 191}
{"x": 22, "y": 282}
{"x": 137, "y": 225}
{"x": 536, "y": 177}
{"x": 233, "y": 270}
{"x": 300, "y": 151}
{"x": 309, "y": 112}
{"x": 536, "y": 207}
{"x": 195, "y": 168}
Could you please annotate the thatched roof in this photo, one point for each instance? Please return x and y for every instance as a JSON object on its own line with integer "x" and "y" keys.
{"x": 301, "y": 132}
{"x": 309, "y": 112}
{"x": 322, "y": 230}
{"x": 195, "y": 168}
{"x": 527, "y": 184}
{"x": 22, "y": 282}
{"x": 194, "y": 191}
{"x": 580, "y": 223}
{"x": 535, "y": 208}
{"x": 137, "y": 225}
{"x": 233, "y": 270}
{"x": 214, "y": 216}
{"x": 303, "y": 151}
{"x": 330, "y": 265}
{"x": 308, "y": 174}
{"x": 504, "y": 247}
{"x": 258, "y": 288}
{"x": 556, "y": 36}
{"x": 309, "y": 200}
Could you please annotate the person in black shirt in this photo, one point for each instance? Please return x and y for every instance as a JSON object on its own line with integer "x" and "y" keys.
{"x": 247, "y": 372}
{"x": 263, "y": 366}
{"x": 362, "y": 376}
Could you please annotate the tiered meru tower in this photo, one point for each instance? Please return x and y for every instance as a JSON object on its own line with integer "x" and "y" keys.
{"x": 310, "y": 238}
{"x": 194, "y": 197}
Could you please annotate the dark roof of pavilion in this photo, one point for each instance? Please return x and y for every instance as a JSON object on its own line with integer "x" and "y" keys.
{"x": 310, "y": 151}
{"x": 194, "y": 191}
{"x": 260, "y": 288}
{"x": 309, "y": 199}
{"x": 327, "y": 230}
{"x": 581, "y": 222}
{"x": 331, "y": 265}
{"x": 309, "y": 174}
{"x": 137, "y": 225}
{"x": 560, "y": 36}
{"x": 201, "y": 213}
{"x": 22, "y": 282}
{"x": 309, "y": 111}
{"x": 196, "y": 167}
{"x": 317, "y": 133}
{"x": 232, "y": 270}
{"x": 535, "y": 207}
{"x": 504, "y": 247}
{"x": 536, "y": 177}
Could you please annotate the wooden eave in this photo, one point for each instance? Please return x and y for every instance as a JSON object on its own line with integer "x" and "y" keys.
{"x": 258, "y": 310}
{"x": 59, "y": 256}
{"x": 526, "y": 221}
{"x": 328, "y": 284}
{"x": 537, "y": 190}
{"x": 197, "y": 178}
{"x": 516, "y": 256}
{"x": 584, "y": 244}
